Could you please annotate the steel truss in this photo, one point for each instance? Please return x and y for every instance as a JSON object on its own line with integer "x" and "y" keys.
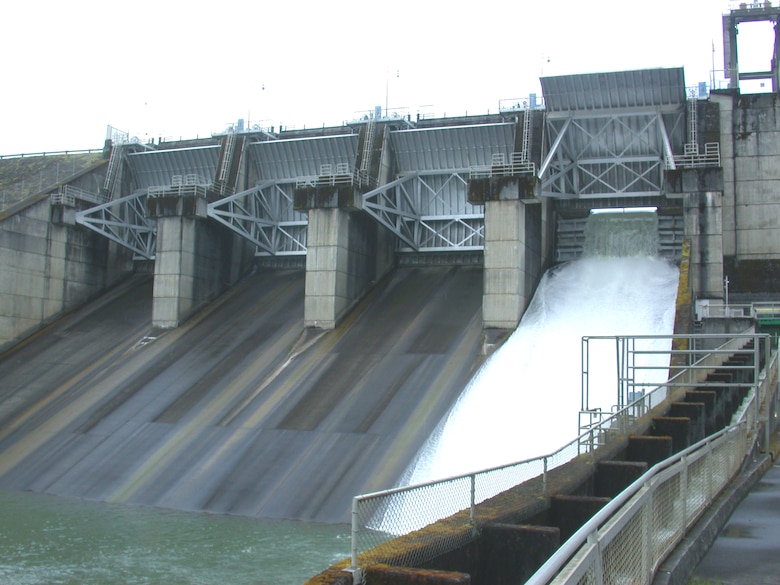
{"x": 617, "y": 153}
{"x": 266, "y": 217}
{"x": 124, "y": 221}
{"x": 429, "y": 211}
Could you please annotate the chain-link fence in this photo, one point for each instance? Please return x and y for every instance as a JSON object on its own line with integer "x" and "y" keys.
{"x": 442, "y": 516}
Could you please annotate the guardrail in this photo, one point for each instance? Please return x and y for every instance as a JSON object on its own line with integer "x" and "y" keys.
{"x": 183, "y": 186}
{"x": 499, "y": 167}
{"x": 692, "y": 158}
{"x": 643, "y": 361}
{"x": 379, "y": 517}
{"x": 628, "y": 539}
{"x": 68, "y": 194}
{"x": 758, "y": 310}
{"x": 341, "y": 175}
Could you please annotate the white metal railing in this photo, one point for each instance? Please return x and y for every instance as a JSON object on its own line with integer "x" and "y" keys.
{"x": 734, "y": 5}
{"x": 182, "y": 185}
{"x": 717, "y": 309}
{"x": 692, "y": 158}
{"x": 341, "y": 175}
{"x": 499, "y": 167}
{"x": 379, "y": 517}
{"x": 643, "y": 361}
{"x": 628, "y": 539}
{"x": 68, "y": 195}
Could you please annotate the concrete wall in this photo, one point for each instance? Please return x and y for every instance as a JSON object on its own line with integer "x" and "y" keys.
{"x": 50, "y": 267}
{"x": 703, "y": 226}
{"x": 750, "y": 147}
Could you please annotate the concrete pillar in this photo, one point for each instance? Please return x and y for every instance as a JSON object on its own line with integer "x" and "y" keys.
{"x": 326, "y": 267}
{"x": 512, "y": 260}
{"x": 192, "y": 264}
{"x": 346, "y": 253}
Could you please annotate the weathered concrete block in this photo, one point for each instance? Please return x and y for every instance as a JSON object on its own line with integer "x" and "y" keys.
{"x": 678, "y": 428}
{"x": 320, "y": 283}
{"x": 506, "y": 281}
{"x": 166, "y": 285}
{"x": 502, "y": 311}
{"x": 385, "y": 575}
{"x": 694, "y": 411}
{"x": 166, "y": 312}
{"x": 509, "y": 554}
{"x": 650, "y": 449}
{"x": 569, "y": 513}
{"x": 504, "y": 221}
{"x": 321, "y": 257}
{"x": 320, "y": 312}
{"x": 713, "y": 408}
{"x": 612, "y": 477}
{"x": 503, "y": 254}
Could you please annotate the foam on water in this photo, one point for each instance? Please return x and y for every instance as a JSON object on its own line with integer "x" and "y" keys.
{"x": 524, "y": 402}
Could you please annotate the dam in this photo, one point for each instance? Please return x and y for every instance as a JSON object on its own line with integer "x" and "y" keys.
{"x": 266, "y": 323}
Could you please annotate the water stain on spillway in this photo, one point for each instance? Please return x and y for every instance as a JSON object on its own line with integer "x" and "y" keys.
{"x": 240, "y": 410}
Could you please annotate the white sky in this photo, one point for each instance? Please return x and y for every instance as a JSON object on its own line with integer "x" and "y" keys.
{"x": 184, "y": 69}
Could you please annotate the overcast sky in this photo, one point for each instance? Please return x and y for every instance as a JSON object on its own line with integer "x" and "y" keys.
{"x": 169, "y": 68}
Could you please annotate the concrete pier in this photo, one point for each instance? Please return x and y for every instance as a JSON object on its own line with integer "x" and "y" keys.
{"x": 513, "y": 262}
{"x": 340, "y": 264}
{"x": 189, "y": 268}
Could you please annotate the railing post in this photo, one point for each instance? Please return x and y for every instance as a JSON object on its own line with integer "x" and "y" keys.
{"x": 544, "y": 477}
{"x": 355, "y": 529}
{"x": 472, "y": 512}
{"x": 684, "y": 492}
{"x": 648, "y": 554}
{"x": 708, "y": 467}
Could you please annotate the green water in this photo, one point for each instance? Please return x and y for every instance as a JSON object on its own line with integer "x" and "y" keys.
{"x": 58, "y": 541}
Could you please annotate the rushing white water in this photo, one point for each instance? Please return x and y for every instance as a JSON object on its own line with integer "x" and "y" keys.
{"x": 524, "y": 402}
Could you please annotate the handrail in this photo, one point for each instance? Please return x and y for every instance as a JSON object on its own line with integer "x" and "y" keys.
{"x": 693, "y": 159}
{"x": 591, "y": 529}
{"x": 517, "y": 165}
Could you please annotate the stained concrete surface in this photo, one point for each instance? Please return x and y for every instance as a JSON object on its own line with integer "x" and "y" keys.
{"x": 240, "y": 410}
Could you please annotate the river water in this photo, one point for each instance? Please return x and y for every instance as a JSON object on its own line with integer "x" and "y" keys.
{"x": 47, "y": 540}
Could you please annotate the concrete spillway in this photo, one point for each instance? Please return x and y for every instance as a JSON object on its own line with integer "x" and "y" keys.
{"x": 240, "y": 410}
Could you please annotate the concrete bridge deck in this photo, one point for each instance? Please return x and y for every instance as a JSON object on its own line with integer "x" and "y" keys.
{"x": 239, "y": 410}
